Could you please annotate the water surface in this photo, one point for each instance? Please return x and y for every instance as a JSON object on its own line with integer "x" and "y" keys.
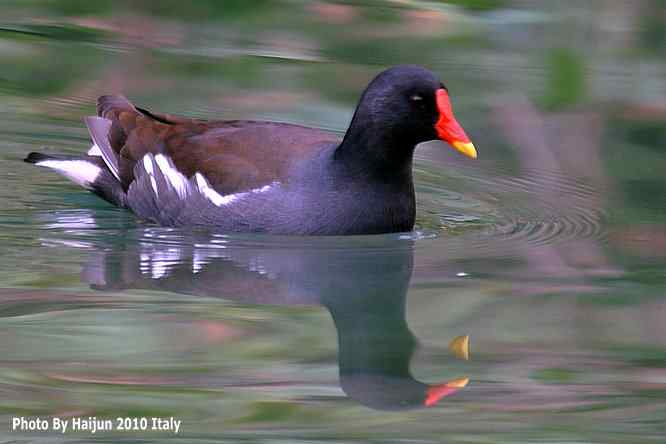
{"x": 548, "y": 251}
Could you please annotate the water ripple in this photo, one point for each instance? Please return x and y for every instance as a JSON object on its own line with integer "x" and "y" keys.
{"x": 537, "y": 207}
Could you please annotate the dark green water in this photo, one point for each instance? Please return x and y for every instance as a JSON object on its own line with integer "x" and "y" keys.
{"x": 548, "y": 251}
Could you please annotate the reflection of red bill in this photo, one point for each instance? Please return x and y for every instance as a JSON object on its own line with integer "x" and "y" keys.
{"x": 448, "y": 129}
{"x": 437, "y": 392}
{"x": 460, "y": 347}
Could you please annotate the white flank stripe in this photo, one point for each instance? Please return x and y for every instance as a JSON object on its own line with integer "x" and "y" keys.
{"x": 184, "y": 187}
{"x": 211, "y": 194}
{"x": 262, "y": 189}
{"x": 153, "y": 182}
{"x": 80, "y": 172}
{"x": 220, "y": 200}
{"x": 177, "y": 180}
{"x": 148, "y": 164}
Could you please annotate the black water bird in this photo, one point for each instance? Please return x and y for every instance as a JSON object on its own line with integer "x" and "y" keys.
{"x": 251, "y": 176}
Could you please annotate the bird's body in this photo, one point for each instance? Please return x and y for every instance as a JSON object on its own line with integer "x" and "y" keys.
{"x": 250, "y": 176}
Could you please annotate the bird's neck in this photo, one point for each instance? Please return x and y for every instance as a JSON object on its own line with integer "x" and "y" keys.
{"x": 375, "y": 150}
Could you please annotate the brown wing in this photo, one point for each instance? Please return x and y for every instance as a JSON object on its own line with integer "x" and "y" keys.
{"x": 233, "y": 155}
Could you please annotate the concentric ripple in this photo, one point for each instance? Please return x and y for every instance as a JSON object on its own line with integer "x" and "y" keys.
{"x": 544, "y": 207}
{"x": 534, "y": 207}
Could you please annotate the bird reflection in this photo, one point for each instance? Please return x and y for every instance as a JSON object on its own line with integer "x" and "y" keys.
{"x": 362, "y": 283}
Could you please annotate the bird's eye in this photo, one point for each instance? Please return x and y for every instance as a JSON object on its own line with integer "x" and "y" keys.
{"x": 416, "y": 98}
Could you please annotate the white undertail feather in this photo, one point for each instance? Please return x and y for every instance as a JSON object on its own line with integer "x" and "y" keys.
{"x": 80, "y": 172}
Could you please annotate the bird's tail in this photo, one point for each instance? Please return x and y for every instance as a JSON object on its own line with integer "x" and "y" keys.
{"x": 88, "y": 171}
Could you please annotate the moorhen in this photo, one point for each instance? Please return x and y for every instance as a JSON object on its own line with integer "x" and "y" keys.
{"x": 252, "y": 176}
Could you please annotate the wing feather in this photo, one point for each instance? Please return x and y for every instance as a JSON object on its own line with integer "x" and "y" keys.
{"x": 99, "y": 132}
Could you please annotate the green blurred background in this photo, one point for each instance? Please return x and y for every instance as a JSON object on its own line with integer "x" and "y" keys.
{"x": 559, "y": 229}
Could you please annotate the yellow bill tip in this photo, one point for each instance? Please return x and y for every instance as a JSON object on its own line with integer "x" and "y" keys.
{"x": 458, "y": 382}
{"x": 467, "y": 148}
{"x": 460, "y": 347}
